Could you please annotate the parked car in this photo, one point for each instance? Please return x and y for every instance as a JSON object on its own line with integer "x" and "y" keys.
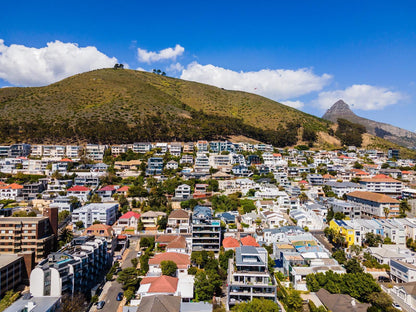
{"x": 120, "y": 296}
{"x": 100, "y": 304}
{"x": 397, "y": 306}
{"x": 139, "y": 253}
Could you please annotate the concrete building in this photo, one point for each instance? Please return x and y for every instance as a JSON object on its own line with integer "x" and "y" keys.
{"x": 106, "y": 213}
{"x": 76, "y": 269}
{"x": 206, "y": 231}
{"x": 248, "y": 276}
{"x": 382, "y": 184}
{"x": 374, "y": 204}
{"x": 37, "y": 234}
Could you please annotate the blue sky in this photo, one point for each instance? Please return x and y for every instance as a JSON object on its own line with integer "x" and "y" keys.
{"x": 303, "y": 53}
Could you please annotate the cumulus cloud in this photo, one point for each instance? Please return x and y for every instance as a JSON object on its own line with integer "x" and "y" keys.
{"x": 361, "y": 96}
{"x": 175, "y": 67}
{"x": 277, "y": 84}
{"x": 294, "y": 104}
{"x": 165, "y": 54}
{"x": 26, "y": 66}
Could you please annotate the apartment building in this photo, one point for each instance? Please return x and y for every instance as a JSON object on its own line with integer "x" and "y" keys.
{"x": 36, "y": 234}
{"x": 248, "y": 276}
{"x": 76, "y": 269}
{"x": 154, "y": 166}
{"x": 95, "y": 151}
{"x": 382, "y": 184}
{"x": 206, "y": 231}
{"x": 142, "y": 148}
{"x": 106, "y": 213}
{"x": 374, "y": 204}
{"x": 12, "y": 271}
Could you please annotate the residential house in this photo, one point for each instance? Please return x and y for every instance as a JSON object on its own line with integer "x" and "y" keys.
{"x": 382, "y": 184}
{"x": 154, "y": 166}
{"x": 106, "y": 193}
{"x": 183, "y": 192}
{"x": 206, "y": 231}
{"x": 167, "y": 285}
{"x": 172, "y": 243}
{"x": 182, "y": 261}
{"x": 248, "y": 276}
{"x": 80, "y": 192}
{"x": 151, "y": 218}
{"x": 127, "y": 222}
{"x": 178, "y": 222}
{"x": 11, "y": 191}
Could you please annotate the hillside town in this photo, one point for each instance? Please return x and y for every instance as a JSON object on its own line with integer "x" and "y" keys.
{"x": 206, "y": 226}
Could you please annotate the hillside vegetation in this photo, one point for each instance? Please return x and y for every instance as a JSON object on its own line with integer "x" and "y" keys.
{"x": 123, "y": 106}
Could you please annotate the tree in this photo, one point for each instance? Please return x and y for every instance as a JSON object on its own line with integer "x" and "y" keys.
{"x": 386, "y": 211}
{"x": 72, "y": 303}
{"x": 372, "y": 240}
{"x": 353, "y": 266}
{"x": 63, "y": 215}
{"x": 294, "y": 301}
{"x": 79, "y": 224}
{"x": 8, "y": 299}
{"x": 146, "y": 242}
{"x": 256, "y": 305}
{"x": 134, "y": 262}
{"x": 404, "y": 207}
{"x": 203, "y": 289}
{"x": 96, "y": 222}
{"x": 128, "y": 277}
{"x": 168, "y": 267}
{"x": 95, "y": 198}
{"x": 339, "y": 216}
{"x": 355, "y": 249}
{"x": 380, "y": 300}
{"x": 303, "y": 198}
{"x": 65, "y": 236}
{"x": 340, "y": 256}
{"x": 357, "y": 165}
{"x": 162, "y": 223}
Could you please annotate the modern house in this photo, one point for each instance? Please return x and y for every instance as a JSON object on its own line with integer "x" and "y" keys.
{"x": 105, "y": 213}
{"x": 206, "y": 231}
{"x": 248, "y": 276}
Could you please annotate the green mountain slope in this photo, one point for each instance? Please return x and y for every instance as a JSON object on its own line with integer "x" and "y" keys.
{"x": 122, "y": 106}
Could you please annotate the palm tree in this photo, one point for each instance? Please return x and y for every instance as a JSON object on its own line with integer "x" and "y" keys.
{"x": 386, "y": 211}
{"x": 65, "y": 236}
{"x": 303, "y": 198}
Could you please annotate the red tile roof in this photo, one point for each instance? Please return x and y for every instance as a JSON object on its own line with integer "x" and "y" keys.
{"x": 13, "y": 186}
{"x": 182, "y": 260}
{"x": 249, "y": 241}
{"x": 375, "y": 197}
{"x": 230, "y": 242}
{"x": 130, "y": 214}
{"x": 107, "y": 188}
{"x": 124, "y": 188}
{"x": 161, "y": 284}
{"x": 66, "y": 160}
{"x": 96, "y": 229}
{"x": 78, "y": 188}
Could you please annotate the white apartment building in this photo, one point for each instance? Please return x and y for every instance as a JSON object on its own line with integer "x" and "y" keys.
{"x": 106, "y": 213}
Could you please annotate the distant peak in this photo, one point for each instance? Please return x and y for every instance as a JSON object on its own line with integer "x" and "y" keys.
{"x": 340, "y": 104}
{"x": 338, "y": 109}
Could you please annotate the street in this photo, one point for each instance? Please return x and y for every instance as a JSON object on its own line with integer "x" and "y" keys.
{"x": 110, "y": 292}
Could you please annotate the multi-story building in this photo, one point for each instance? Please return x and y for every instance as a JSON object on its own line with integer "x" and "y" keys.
{"x": 72, "y": 151}
{"x": 19, "y": 150}
{"x": 349, "y": 209}
{"x": 341, "y": 188}
{"x": 374, "y": 204}
{"x": 75, "y": 269}
{"x": 206, "y": 231}
{"x": 382, "y": 184}
{"x": 402, "y": 272}
{"x": 154, "y": 166}
{"x": 248, "y": 276}
{"x": 38, "y": 234}
{"x": 12, "y": 271}
{"x": 87, "y": 180}
{"x": 80, "y": 192}
{"x": 183, "y": 191}
{"x": 202, "y": 163}
{"x": 202, "y": 146}
{"x": 188, "y": 147}
{"x": 175, "y": 148}
{"x": 142, "y": 148}
{"x": 151, "y": 218}
{"x": 104, "y": 212}
{"x": 10, "y": 191}
{"x": 95, "y": 151}
{"x": 178, "y": 222}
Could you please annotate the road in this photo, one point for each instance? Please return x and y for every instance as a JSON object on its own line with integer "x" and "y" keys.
{"x": 320, "y": 236}
{"x": 111, "y": 304}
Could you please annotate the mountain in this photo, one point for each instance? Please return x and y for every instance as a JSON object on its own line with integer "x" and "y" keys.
{"x": 124, "y": 106}
{"x": 382, "y": 130}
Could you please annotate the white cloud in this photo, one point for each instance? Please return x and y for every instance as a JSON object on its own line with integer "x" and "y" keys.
{"x": 294, "y": 104}
{"x": 26, "y": 66}
{"x": 165, "y": 54}
{"x": 277, "y": 84}
{"x": 175, "y": 67}
{"x": 362, "y": 96}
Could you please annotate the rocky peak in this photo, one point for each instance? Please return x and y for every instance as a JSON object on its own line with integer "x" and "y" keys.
{"x": 339, "y": 109}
